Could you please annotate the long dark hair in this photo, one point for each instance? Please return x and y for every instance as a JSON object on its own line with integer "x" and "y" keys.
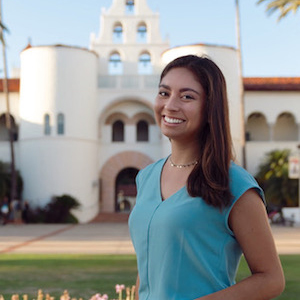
{"x": 210, "y": 177}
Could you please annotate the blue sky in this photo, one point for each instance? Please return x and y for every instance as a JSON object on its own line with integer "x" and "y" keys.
{"x": 269, "y": 48}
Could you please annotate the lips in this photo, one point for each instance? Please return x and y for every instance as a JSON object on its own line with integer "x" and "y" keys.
{"x": 171, "y": 120}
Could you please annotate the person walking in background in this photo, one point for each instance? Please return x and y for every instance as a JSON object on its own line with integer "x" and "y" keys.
{"x": 25, "y": 212}
{"x": 4, "y": 210}
{"x": 197, "y": 211}
{"x": 16, "y": 211}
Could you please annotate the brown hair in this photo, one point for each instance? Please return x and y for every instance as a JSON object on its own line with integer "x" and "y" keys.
{"x": 210, "y": 177}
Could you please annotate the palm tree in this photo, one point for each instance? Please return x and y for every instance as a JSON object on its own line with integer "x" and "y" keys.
{"x": 285, "y": 6}
{"x": 273, "y": 176}
{"x": 8, "y": 116}
{"x": 241, "y": 83}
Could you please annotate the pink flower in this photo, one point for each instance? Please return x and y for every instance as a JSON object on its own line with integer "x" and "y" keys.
{"x": 120, "y": 288}
{"x": 99, "y": 297}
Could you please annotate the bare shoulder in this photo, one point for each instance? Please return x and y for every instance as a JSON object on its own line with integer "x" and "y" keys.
{"x": 248, "y": 212}
{"x": 249, "y": 202}
{"x": 249, "y": 222}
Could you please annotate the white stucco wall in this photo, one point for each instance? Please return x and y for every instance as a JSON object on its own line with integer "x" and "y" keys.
{"x": 130, "y": 107}
{"x": 129, "y": 48}
{"x": 272, "y": 103}
{"x": 54, "y": 80}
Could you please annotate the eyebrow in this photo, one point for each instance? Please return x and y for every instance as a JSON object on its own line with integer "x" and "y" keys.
{"x": 181, "y": 90}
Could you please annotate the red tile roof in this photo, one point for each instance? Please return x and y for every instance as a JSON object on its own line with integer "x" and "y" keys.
{"x": 13, "y": 85}
{"x": 250, "y": 84}
{"x": 271, "y": 83}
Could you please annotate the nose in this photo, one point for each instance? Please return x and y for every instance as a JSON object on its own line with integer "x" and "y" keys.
{"x": 172, "y": 103}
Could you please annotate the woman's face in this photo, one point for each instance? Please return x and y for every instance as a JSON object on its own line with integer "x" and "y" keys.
{"x": 179, "y": 105}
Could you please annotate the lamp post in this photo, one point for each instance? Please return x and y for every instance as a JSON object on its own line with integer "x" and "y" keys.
{"x": 299, "y": 176}
{"x": 292, "y": 214}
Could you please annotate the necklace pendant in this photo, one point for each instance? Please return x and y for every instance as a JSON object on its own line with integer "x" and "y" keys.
{"x": 183, "y": 165}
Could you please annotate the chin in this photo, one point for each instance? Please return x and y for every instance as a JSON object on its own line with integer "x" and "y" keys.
{"x": 171, "y": 136}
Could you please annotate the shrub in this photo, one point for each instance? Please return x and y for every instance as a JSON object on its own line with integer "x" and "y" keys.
{"x": 279, "y": 189}
{"x": 58, "y": 210}
{"x": 5, "y": 181}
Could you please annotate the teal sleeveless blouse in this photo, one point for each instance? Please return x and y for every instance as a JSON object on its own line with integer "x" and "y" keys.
{"x": 184, "y": 247}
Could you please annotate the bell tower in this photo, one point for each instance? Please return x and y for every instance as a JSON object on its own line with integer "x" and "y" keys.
{"x": 129, "y": 40}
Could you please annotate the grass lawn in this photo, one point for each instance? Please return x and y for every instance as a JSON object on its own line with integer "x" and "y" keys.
{"x": 290, "y": 264}
{"x": 86, "y": 275}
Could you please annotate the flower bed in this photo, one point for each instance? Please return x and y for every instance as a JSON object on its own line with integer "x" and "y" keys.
{"x": 129, "y": 294}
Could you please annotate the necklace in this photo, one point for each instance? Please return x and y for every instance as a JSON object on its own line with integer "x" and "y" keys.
{"x": 183, "y": 165}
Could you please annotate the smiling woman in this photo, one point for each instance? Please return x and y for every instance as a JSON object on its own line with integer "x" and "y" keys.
{"x": 179, "y": 105}
{"x": 197, "y": 211}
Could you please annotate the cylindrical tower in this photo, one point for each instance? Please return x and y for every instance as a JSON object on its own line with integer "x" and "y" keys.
{"x": 227, "y": 60}
{"x": 58, "y": 126}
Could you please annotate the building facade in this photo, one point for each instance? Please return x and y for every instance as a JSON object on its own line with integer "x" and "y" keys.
{"x": 83, "y": 118}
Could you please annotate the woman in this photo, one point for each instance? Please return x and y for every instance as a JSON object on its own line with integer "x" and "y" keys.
{"x": 196, "y": 210}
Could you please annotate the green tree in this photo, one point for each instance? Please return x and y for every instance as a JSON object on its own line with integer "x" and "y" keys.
{"x": 7, "y": 115}
{"x": 3, "y": 28}
{"x": 5, "y": 181}
{"x": 279, "y": 189}
{"x": 284, "y": 6}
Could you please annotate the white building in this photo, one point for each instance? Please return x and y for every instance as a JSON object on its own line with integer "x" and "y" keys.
{"x": 84, "y": 120}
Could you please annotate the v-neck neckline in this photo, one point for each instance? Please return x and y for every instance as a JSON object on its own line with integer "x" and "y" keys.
{"x": 160, "y": 183}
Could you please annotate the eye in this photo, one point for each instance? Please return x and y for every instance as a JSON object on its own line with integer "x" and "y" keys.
{"x": 163, "y": 93}
{"x": 188, "y": 97}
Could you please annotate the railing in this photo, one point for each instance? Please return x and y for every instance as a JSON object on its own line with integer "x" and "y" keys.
{"x": 128, "y": 81}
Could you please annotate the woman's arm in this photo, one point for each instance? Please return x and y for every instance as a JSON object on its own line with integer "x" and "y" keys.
{"x": 137, "y": 284}
{"x": 248, "y": 220}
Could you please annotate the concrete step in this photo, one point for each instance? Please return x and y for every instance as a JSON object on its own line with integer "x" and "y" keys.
{"x": 111, "y": 218}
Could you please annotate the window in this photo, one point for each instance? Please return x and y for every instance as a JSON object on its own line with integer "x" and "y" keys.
{"x": 145, "y": 66}
{"x": 129, "y": 9}
{"x": 285, "y": 128}
{"x": 115, "y": 64}
{"x": 118, "y": 33}
{"x": 257, "y": 128}
{"x": 142, "y": 33}
{"x": 47, "y": 127}
{"x": 60, "y": 124}
{"x": 142, "y": 131}
{"x": 4, "y": 132}
{"x": 118, "y": 131}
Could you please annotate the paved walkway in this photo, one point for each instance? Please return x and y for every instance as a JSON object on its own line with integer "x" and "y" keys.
{"x": 99, "y": 238}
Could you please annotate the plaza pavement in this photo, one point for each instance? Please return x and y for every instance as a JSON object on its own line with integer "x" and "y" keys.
{"x": 99, "y": 238}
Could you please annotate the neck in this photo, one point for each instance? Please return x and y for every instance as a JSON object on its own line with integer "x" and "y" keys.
{"x": 184, "y": 154}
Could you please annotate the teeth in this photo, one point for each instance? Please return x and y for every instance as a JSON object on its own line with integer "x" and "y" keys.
{"x": 173, "y": 121}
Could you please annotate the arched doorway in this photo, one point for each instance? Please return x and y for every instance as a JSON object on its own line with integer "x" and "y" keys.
{"x": 125, "y": 190}
{"x": 112, "y": 169}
